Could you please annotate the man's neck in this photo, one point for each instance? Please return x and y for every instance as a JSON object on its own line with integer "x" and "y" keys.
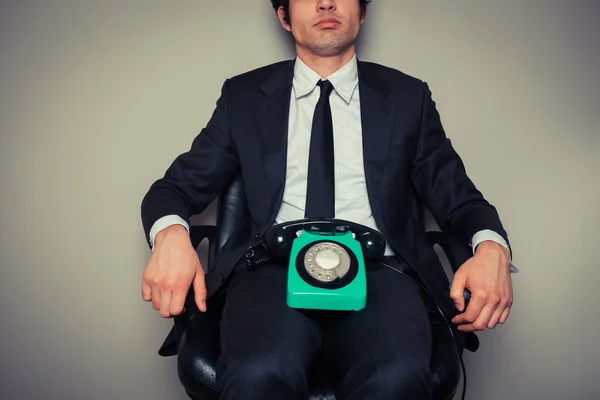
{"x": 325, "y": 66}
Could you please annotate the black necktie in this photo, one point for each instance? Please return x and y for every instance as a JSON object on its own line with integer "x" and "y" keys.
{"x": 321, "y": 181}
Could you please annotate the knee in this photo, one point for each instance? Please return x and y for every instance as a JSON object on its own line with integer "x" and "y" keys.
{"x": 393, "y": 379}
{"x": 407, "y": 379}
{"x": 261, "y": 375}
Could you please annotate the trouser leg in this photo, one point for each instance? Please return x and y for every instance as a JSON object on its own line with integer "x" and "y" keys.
{"x": 383, "y": 351}
{"x": 267, "y": 348}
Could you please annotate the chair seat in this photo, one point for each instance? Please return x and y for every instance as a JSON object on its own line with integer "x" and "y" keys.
{"x": 199, "y": 349}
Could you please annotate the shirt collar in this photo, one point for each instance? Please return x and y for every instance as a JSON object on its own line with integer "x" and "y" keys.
{"x": 344, "y": 80}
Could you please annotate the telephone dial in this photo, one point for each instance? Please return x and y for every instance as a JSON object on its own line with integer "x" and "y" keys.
{"x": 325, "y": 260}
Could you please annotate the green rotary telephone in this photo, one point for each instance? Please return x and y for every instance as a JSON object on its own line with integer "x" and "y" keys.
{"x": 326, "y": 261}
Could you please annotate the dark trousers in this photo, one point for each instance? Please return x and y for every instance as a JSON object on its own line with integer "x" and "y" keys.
{"x": 267, "y": 348}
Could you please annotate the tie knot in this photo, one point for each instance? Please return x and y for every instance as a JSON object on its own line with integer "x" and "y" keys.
{"x": 326, "y": 88}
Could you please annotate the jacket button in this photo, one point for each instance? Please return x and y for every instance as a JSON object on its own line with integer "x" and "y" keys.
{"x": 257, "y": 236}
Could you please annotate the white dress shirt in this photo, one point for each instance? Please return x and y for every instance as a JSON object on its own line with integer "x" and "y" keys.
{"x": 351, "y": 198}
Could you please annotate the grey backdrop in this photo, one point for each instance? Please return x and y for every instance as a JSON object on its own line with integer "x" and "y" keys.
{"x": 97, "y": 98}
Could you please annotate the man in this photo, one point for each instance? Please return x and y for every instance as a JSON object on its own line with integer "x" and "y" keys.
{"x": 390, "y": 155}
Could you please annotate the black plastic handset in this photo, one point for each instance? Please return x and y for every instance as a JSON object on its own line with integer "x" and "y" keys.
{"x": 280, "y": 237}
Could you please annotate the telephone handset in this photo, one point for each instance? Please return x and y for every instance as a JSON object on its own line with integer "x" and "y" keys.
{"x": 279, "y": 238}
{"x": 325, "y": 259}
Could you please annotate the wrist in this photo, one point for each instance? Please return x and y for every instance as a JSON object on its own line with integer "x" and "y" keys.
{"x": 176, "y": 228}
{"x": 488, "y": 246}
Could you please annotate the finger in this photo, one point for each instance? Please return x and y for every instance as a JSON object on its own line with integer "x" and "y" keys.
{"x": 457, "y": 291}
{"x": 482, "y": 320}
{"x": 156, "y": 294}
{"x": 165, "y": 304}
{"x": 146, "y": 291}
{"x": 496, "y": 317}
{"x": 505, "y": 314}
{"x": 177, "y": 302}
{"x": 200, "y": 290}
{"x": 471, "y": 313}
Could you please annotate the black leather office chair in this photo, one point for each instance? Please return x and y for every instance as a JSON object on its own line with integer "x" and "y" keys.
{"x": 195, "y": 336}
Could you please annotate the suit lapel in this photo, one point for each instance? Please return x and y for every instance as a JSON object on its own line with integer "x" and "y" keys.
{"x": 272, "y": 114}
{"x": 377, "y": 122}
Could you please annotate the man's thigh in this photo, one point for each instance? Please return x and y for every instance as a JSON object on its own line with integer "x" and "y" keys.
{"x": 388, "y": 340}
{"x": 260, "y": 334}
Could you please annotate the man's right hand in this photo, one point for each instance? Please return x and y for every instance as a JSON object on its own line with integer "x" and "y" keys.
{"x": 172, "y": 268}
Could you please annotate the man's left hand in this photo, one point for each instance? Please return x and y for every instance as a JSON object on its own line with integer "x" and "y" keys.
{"x": 487, "y": 276}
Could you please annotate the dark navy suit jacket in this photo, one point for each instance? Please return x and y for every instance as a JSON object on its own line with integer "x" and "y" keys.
{"x": 409, "y": 163}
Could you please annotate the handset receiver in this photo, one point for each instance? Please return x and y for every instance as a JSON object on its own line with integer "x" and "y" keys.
{"x": 279, "y": 238}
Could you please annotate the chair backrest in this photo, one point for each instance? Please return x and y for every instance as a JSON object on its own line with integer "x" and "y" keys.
{"x": 232, "y": 212}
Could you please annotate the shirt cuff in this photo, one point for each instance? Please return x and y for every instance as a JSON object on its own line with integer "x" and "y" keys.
{"x": 487, "y": 234}
{"x": 164, "y": 222}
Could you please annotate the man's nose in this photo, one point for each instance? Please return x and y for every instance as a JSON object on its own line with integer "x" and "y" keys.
{"x": 326, "y": 5}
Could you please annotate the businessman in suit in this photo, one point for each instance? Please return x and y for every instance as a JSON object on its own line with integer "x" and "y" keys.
{"x": 327, "y": 135}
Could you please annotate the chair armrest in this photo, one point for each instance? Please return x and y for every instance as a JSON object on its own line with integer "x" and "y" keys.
{"x": 200, "y": 232}
{"x": 457, "y": 252}
{"x": 455, "y": 248}
{"x": 197, "y": 234}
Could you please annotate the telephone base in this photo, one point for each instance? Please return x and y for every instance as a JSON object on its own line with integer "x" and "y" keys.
{"x": 343, "y": 288}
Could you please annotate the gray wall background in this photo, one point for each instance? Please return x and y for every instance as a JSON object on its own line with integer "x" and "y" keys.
{"x": 97, "y": 98}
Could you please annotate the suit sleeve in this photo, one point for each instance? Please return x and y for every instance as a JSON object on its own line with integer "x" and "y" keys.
{"x": 440, "y": 178}
{"x": 196, "y": 177}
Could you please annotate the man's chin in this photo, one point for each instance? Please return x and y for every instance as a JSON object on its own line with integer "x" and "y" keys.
{"x": 331, "y": 48}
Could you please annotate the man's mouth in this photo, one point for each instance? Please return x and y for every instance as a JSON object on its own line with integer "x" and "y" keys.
{"x": 328, "y": 23}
